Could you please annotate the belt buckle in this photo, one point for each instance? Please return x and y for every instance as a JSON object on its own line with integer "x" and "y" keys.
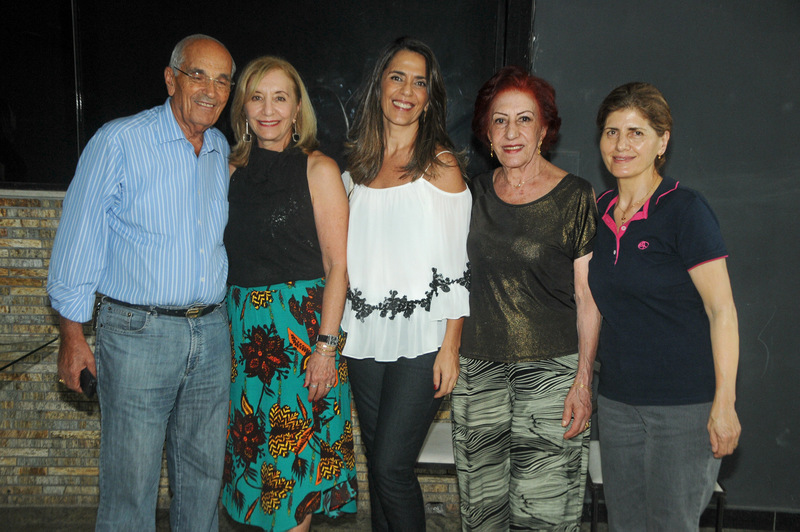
{"x": 193, "y": 312}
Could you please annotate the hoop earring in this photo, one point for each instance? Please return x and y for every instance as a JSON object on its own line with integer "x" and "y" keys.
{"x": 247, "y": 137}
{"x": 491, "y": 150}
{"x": 295, "y": 136}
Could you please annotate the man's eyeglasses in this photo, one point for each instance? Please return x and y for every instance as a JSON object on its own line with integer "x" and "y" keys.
{"x": 198, "y": 78}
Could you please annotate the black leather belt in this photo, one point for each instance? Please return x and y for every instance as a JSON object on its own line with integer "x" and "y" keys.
{"x": 195, "y": 311}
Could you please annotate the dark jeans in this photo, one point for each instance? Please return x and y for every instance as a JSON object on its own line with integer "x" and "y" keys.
{"x": 395, "y": 407}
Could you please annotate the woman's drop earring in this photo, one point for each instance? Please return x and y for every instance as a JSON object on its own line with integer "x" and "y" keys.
{"x": 247, "y": 137}
{"x": 295, "y": 136}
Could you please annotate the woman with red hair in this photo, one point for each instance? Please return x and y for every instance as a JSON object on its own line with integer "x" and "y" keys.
{"x": 522, "y": 403}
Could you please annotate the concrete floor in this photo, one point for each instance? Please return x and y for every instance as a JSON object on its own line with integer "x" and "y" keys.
{"x": 82, "y": 520}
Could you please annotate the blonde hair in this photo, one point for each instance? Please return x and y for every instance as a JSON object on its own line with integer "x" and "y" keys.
{"x": 252, "y": 74}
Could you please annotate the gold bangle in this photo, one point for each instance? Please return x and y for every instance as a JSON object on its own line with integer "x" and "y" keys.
{"x": 325, "y": 350}
{"x": 582, "y": 385}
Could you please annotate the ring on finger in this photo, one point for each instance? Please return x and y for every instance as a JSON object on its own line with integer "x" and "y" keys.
{"x": 313, "y": 385}
{"x": 329, "y": 385}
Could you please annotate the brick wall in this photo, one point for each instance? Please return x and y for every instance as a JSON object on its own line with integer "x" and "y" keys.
{"x": 27, "y": 228}
{"x": 49, "y": 436}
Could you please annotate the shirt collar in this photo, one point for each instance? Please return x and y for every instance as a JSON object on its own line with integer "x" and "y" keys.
{"x": 170, "y": 131}
{"x": 667, "y": 186}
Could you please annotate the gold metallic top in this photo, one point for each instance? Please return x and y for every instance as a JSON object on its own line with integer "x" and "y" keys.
{"x": 522, "y": 297}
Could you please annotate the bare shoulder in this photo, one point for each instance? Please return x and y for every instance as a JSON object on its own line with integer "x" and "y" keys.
{"x": 447, "y": 175}
{"x": 320, "y": 166}
{"x": 324, "y": 179}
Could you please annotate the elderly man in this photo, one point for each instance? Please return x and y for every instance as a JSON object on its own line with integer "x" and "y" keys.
{"x": 142, "y": 226}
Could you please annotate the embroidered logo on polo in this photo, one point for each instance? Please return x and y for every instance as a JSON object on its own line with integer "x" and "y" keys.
{"x": 644, "y": 244}
{"x": 393, "y": 305}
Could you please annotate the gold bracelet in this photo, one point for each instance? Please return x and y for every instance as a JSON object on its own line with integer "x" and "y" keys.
{"x": 325, "y": 350}
{"x": 582, "y": 385}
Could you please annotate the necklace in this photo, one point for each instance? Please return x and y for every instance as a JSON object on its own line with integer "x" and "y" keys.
{"x": 518, "y": 185}
{"x": 635, "y": 205}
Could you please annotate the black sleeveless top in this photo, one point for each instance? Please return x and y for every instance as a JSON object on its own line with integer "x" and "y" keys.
{"x": 271, "y": 236}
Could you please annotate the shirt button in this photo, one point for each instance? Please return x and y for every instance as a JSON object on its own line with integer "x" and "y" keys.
{"x": 614, "y": 252}
{"x": 623, "y": 228}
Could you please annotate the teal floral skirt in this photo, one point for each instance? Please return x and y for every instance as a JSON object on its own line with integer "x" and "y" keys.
{"x": 286, "y": 457}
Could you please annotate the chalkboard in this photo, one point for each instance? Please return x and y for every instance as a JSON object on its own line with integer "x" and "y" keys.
{"x": 79, "y": 64}
{"x": 38, "y": 130}
{"x": 333, "y": 44}
{"x": 731, "y": 74}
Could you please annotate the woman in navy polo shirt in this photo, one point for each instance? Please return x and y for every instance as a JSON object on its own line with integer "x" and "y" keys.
{"x": 669, "y": 343}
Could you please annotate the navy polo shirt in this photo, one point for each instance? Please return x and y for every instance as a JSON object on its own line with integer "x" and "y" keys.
{"x": 655, "y": 343}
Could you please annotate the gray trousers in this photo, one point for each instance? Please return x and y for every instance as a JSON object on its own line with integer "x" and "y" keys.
{"x": 658, "y": 468}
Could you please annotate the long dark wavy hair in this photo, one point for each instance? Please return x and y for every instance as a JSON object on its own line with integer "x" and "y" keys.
{"x": 365, "y": 146}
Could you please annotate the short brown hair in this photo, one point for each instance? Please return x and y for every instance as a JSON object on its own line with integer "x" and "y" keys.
{"x": 646, "y": 99}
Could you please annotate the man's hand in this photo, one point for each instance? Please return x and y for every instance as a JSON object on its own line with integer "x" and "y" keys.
{"x": 74, "y": 354}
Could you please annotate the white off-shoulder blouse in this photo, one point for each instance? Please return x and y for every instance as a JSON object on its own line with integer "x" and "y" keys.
{"x": 408, "y": 270}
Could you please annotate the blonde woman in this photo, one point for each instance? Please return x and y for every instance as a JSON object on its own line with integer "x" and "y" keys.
{"x": 290, "y": 444}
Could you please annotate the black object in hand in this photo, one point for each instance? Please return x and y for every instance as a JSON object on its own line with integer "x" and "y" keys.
{"x": 88, "y": 383}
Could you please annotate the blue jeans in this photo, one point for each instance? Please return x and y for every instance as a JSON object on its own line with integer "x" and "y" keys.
{"x": 161, "y": 377}
{"x": 658, "y": 468}
{"x": 395, "y": 407}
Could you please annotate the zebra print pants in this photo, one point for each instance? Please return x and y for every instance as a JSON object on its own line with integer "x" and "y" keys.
{"x": 515, "y": 469}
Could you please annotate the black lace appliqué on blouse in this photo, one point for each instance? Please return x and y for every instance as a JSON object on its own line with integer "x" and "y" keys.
{"x": 393, "y": 305}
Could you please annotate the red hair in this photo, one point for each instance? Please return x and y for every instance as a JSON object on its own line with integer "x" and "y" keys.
{"x": 513, "y": 78}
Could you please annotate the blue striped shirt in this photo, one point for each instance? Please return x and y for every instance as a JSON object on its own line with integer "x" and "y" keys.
{"x": 143, "y": 218}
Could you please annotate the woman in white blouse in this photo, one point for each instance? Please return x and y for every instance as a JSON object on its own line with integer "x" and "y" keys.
{"x": 407, "y": 263}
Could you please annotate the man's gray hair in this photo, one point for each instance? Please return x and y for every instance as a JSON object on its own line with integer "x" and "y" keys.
{"x": 179, "y": 52}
